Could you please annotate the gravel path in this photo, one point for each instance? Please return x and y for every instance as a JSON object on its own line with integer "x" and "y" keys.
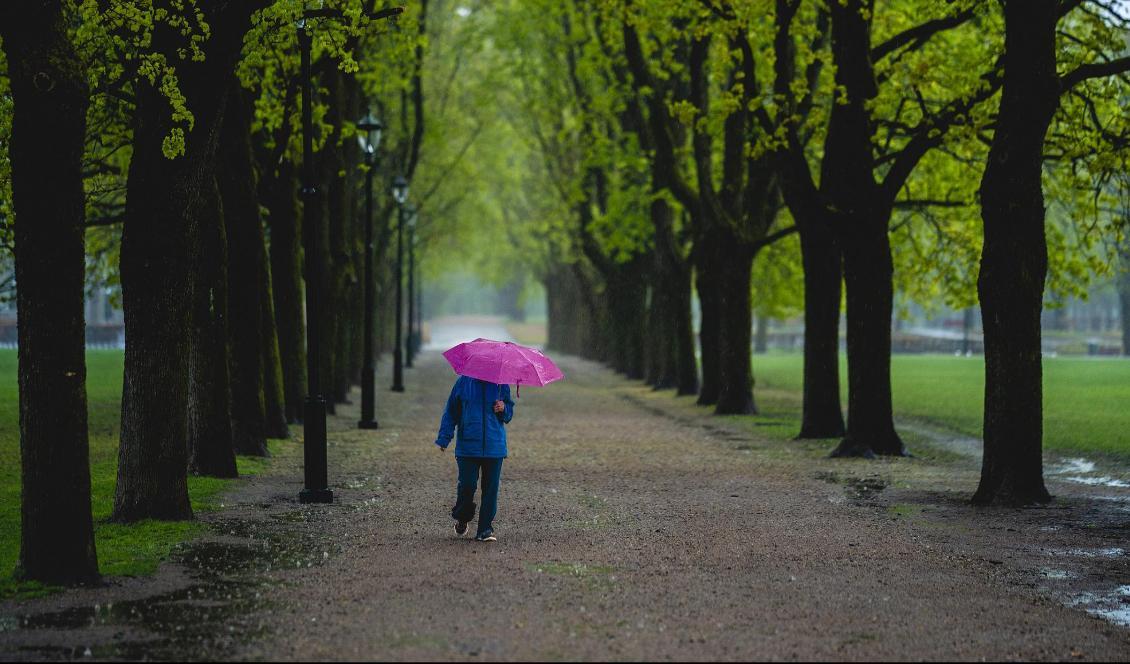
{"x": 632, "y": 525}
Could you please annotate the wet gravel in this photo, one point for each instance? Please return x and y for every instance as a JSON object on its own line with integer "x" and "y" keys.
{"x": 632, "y": 525}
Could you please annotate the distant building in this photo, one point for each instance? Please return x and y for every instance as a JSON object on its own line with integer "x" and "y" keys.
{"x": 105, "y": 324}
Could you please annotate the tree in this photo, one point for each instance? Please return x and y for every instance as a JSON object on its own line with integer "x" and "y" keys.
{"x": 166, "y": 198}
{"x": 1014, "y": 260}
{"x": 248, "y": 281}
{"x": 872, "y": 144}
{"x": 735, "y": 203}
{"x": 50, "y": 93}
{"x": 210, "y": 410}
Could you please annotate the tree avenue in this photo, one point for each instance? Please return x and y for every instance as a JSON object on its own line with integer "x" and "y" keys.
{"x": 671, "y": 173}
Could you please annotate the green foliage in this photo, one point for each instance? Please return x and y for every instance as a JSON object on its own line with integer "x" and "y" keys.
{"x": 526, "y": 100}
{"x": 778, "y": 280}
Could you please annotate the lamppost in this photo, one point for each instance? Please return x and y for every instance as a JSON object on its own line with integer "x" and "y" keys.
{"x": 369, "y": 137}
{"x": 314, "y": 408}
{"x": 411, "y": 286}
{"x": 316, "y": 475}
{"x": 400, "y": 195}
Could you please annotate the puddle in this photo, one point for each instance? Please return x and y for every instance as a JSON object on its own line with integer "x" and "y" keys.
{"x": 724, "y": 434}
{"x": 966, "y": 446}
{"x": 203, "y": 621}
{"x": 198, "y": 622}
{"x": 1097, "y": 481}
{"x": 1073, "y": 465}
{"x": 1112, "y": 552}
{"x": 826, "y": 476}
{"x": 1113, "y": 605}
{"x": 1084, "y": 471}
{"x": 1122, "y": 503}
{"x": 862, "y": 488}
{"x": 856, "y": 488}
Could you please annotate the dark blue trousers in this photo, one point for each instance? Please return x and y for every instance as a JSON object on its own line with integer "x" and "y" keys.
{"x": 469, "y": 470}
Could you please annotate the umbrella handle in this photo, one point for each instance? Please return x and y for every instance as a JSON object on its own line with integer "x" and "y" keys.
{"x": 518, "y": 389}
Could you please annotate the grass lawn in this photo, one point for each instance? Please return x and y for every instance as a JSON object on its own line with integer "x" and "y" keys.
{"x": 1085, "y": 399}
{"x": 131, "y": 550}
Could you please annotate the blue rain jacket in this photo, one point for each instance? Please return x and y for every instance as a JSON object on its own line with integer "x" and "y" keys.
{"x": 482, "y": 432}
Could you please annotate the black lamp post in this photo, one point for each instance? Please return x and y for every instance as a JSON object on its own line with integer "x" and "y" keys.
{"x": 369, "y": 136}
{"x": 411, "y": 286}
{"x": 417, "y": 333}
{"x": 314, "y": 409}
{"x": 400, "y": 195}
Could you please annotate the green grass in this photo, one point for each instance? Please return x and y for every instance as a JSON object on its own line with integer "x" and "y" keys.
{"x": 1085, "y": 399}
{"x": 123, "y": 550}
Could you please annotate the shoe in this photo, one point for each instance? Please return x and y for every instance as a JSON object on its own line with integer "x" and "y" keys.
{"x": 460, "y": 528}
{"x": 488, "y": 536}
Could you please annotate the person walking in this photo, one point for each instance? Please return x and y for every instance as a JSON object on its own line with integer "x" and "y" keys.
{"x": 480, "y": 410}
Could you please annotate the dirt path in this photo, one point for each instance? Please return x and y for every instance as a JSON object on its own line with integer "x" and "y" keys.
{"x": 632, "y": 526}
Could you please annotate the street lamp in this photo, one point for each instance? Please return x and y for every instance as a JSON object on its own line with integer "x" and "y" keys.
{"x": 316, "y": 488}
{"x": 369, "y": 136}
{"x": 314, "y": 408}
{"x": 400, "y": 195}
{"x": 411, "y": 286}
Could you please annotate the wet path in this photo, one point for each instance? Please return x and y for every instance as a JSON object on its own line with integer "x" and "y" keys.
{"x": 631, "y": 525}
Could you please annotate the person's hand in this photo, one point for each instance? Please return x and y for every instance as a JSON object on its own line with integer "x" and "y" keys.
{"x": 499, "y": 406}
{"x": 442, "y": 450}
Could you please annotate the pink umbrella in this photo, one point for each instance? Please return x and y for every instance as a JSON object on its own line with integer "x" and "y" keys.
{"x": 502, "y": 362}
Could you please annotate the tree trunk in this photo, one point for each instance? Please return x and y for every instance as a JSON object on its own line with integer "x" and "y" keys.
{"x": 735, "y": 323}
{"x": 274, "y": 395}
{"x": 286, "y": 285}
{"x": 338, "y": 179}
{"x": 686, "y": 368}
{"x": 867, "y": 276}
{"x": 385, "y": 292}
{"x": 1122, "y": 283}
{"x": 821, "y": 415}
{"x": 164, "y": 202}
{"x": 50, "y": 98}
{"x": 761, "y": 336}
{"x": 571, "y": 312}
{"x": 552, "y": 312}
{"x": 670, "y": 335}
{"x": 509, "y": 298}
{"x": 709, "y": 288}
{"x": 1014, "y": 259}
{"x": 210, "y": 437}
{"x": 625, "y": 316}
{"x": 863, "y": 215}
{"x": 588, "y": 336}
{"x": 157, "y": 296}
{"x": 658, "y": 342}
{"x": 246, "y": 275}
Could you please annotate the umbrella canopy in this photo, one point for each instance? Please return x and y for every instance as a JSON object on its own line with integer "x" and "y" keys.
{"x": 502, "y": 362}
